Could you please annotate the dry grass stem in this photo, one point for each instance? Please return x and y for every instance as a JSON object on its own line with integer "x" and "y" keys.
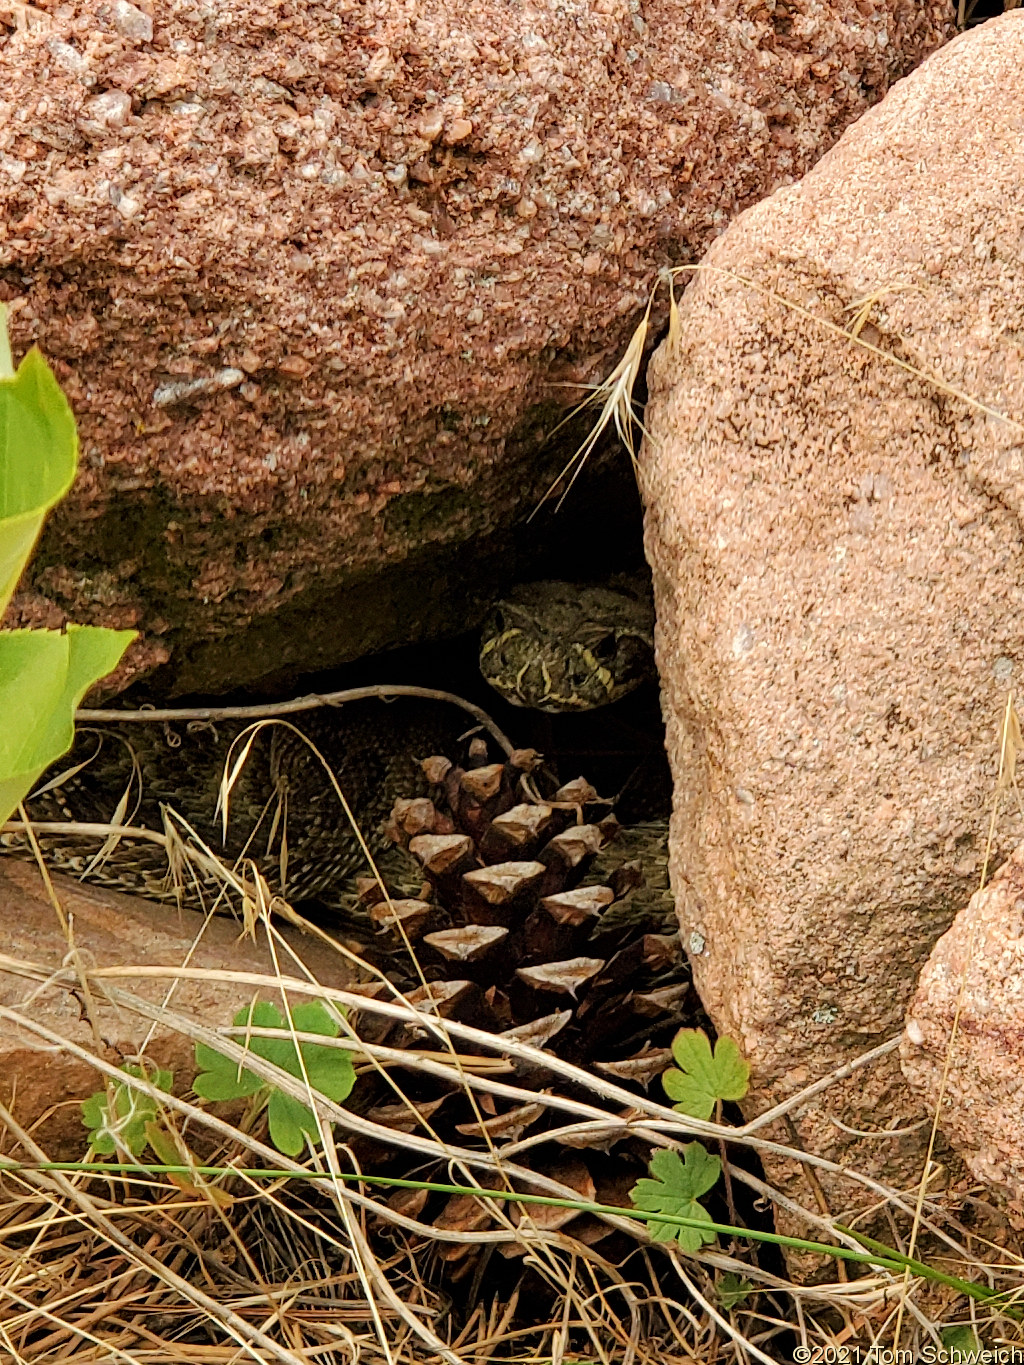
{"x": 615, "y": 393}
{"x": 615, "y": 397}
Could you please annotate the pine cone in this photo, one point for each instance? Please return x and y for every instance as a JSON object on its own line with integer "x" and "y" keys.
{"x": 513, "y": 933}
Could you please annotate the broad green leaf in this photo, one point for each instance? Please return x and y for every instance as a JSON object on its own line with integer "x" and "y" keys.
{"x": 122, "y": 1118}
{"x": 704, "y": 1077}
{"x": 289, "y": 1122}
{"x": 43, "y": 676}
{"x": 329, "y": 1070}
{"x": 678, "y": 1184}
{"x": 38, "y": 456}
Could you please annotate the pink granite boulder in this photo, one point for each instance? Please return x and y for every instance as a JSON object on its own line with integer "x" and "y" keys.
{"x": 46, "y": 1024}
{"x": 972, "y": 987}
{"x": 836, "y": 537}
{"x": 312, "y": 276}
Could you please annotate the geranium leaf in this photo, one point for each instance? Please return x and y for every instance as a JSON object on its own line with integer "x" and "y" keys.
{"x": 677, "y": 1185}
{"x": 963, "y": 1339}
{"x": 220, "y": 1077}
{"x": 704, "y": 1077}
{"x": 120, "y": 1118}
{"x": 732, "y": 1290}
{"x": 289, "y": 1122}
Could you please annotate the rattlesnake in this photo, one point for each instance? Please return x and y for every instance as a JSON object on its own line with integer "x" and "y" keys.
{"x": 569, "y": 646}
{"x": 550, "y": 645}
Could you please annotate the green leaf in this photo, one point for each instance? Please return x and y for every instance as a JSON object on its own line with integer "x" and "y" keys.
{"x": 222, "y": 1079}
{"x": 704, "y": 1077}
{"x": 732, "y": 1290}
{"x": 328, "y": 1069}
{"x": 43, "y": 676}
{"x": 38, "y": 456}
{"x": 961, "y": 1338}
{"x": 677, "y": 1186}
{"x": 118, "y": 1119}
{"x": 290, "y": 1121}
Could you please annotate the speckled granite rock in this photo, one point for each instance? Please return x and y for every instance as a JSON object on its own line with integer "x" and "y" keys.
{"x": 837, "y": 550}
{"x": 976, "y": 976}
{"x": 309, "y": 271}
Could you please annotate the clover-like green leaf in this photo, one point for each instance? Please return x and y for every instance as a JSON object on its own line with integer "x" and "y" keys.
{"x": 676, "y": 1188}
{"x": 328, "y": 1069}
{"x": 732, "y": 1290}
{"x": 219, "y": 1077}
{"x": 704, "y": 1077}
{"x": 118, "y": 1120}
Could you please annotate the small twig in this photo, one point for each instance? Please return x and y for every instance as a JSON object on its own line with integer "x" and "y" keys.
{"x": 311, "y": 702}
{"x": 723, "y": 1154}
{"x": 723, "y": 1322}
{"x": 826, "y": 1082}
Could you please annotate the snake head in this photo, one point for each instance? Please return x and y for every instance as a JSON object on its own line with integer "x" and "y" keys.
{"x": 568, "y": 646}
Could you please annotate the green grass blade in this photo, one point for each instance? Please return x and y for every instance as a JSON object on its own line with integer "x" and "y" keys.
{"x": 884, "y": 1256}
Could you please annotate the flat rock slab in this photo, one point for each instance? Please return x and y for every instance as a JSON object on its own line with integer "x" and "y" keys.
{"x": 43, "y": 1084}
{"x": 318, "y": 279}
{"x": 837, "y": 552}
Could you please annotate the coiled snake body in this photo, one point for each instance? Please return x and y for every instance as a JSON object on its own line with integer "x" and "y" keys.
{"x": 550, "y": 645}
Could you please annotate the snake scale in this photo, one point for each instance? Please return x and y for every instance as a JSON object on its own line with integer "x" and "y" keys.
{"x": 551, "y": 645}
